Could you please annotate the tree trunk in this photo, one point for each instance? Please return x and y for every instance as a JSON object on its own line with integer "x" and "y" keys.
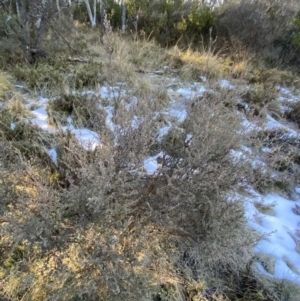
{"x": 123, "y": 16}
{"x": 43, "y": 24}
{"x": 90, "y": 14}
{"x": 102, "y": 12}
{"x": 25, "y": 20}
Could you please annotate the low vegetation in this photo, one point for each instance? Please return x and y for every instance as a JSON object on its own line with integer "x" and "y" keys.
{"x": 92, "y": 224}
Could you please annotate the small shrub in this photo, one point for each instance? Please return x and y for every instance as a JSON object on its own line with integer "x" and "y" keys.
{"x": 294, "y": 113}
{"x": 24, "y": 139}
{"x": 259, "y": 96}
{"x": 274, "y": 77}
{"x": 54, "y": 78}
{"x": 255, "y": 24}
{"x": 41, "y": 78}
{"x": 83, "y": 108}
{"x": 111, "y": 222}
{"x": 88, "y": 76}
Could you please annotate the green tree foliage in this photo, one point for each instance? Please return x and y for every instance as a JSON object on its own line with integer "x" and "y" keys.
{"x": 170, "y": 20}
{"x": 296, "y": 23}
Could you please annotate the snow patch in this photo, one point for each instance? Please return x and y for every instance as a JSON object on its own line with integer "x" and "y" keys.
{"x": 40, "y": 118}
{"x": 53, "y": 155}
{"x": 151, "y": 165}
{"x": 281, "y": 230}
{"x": 225, "y": 84}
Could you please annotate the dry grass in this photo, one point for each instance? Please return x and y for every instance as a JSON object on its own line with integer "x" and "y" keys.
{"x": 17, "y": 108}
{"x": 195, "y": 64}
{"x": 274, "y": 77}
{"x": 5, "y": 84}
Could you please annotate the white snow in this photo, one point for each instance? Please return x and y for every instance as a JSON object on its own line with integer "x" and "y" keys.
{"x": 225, "y": 84}
{"x": 151, "y": 165}
{"x": 287, "y": 95}
{"x": 53, "y": 155}
{"x": 163, "y": 131}
{"x": 273, "y": 124}
{"x": 237, "y": 155}
{"x": 179, "y": 114}
{"x": 249, "y": 126}
{"x": 87, "y": 138}
{"x": 40, "y": 118}
{"x": 109, "y": 118}
{"x": 280, "y": 229}
{"x": 43, "y": 100}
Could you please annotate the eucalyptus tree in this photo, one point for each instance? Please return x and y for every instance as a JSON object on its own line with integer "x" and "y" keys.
{"x": 30, "y": 20}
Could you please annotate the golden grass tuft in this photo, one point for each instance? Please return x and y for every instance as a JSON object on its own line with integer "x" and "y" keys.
{"x": 195, "y": 64}
{"x": 5, "y": 83}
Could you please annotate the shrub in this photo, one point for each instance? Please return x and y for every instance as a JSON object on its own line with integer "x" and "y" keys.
{"x": 273, "y": 77}
{"x": 116, "y": 233}
{"x": 294, "y": 113}
{"x": 261, "y": 25}
{"x": 83, "y": 108}
{"x": 259, "y": 97}
{"x": 170, "y": 22}
{"x": 56, "y": 77}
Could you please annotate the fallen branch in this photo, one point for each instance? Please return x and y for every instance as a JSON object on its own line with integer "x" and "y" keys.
{"x": 77, "y": 59}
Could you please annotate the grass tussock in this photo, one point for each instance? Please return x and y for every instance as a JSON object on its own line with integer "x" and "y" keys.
{"x": 274, "y": 77}
{"x": 195, "y": 64}
{"x": 17, "y": 107}
{"x": 5, "y": 84}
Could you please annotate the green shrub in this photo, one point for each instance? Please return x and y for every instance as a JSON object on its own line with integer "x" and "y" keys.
{"x": 84, "y": 110}
{"x": 255, "y": 24}
{"x": 259, "y": 97}
{"x": 296, "y": 36}
{"x": 294, "y": 113}
{"x": 58, "y": 76}
{"x": 168, "y": 22}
